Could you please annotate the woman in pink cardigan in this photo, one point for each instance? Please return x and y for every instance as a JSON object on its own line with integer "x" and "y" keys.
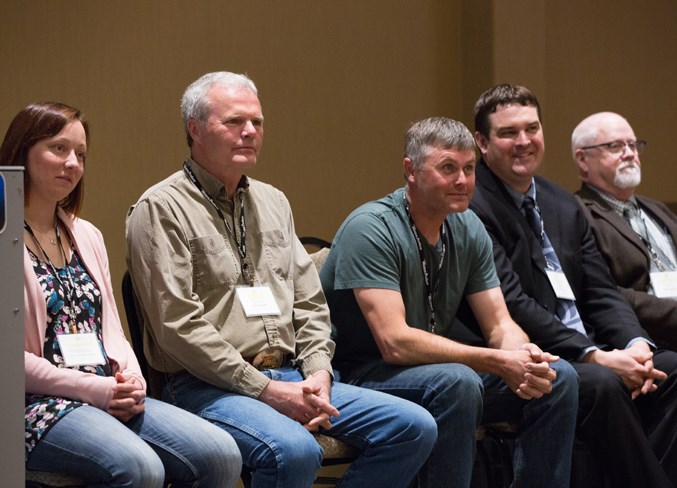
{"x": 86, "y": 408}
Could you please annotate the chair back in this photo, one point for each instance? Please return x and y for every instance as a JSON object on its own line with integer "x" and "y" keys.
{"x": 154, "y": 379}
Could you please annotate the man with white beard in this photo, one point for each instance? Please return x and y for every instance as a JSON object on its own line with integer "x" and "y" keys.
{"x": 636, "y": 235}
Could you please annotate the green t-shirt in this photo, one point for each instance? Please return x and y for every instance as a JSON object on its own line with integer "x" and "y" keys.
{"x": 375, "y": 248}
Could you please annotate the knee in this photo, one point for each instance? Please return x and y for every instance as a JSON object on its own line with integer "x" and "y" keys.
{"x": 294, "y": 453}
{"x": 567, "y": 381}
{"x": 411, "y": 423}
{"x": 604, "y": 388}
{"x": 139, "y": 469}
{"x": 458, "y": 381}
{"x": 218, "y": 462}
{"x": 424, "y": 429}
{"x": 457, "y": 388}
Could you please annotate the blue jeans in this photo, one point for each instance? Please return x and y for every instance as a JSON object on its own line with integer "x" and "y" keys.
{"x": 394, "y": 437}
{"x": 163, "y": 442}
{"x": 459, "y": 399}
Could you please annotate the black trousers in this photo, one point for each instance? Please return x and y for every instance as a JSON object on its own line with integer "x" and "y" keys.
{"x": 634, "y": 443}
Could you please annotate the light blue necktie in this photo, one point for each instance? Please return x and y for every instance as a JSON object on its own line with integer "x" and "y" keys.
{"x": 566, "y": 312}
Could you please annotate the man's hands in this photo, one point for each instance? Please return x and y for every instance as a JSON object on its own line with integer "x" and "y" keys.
{"x": 307, "y": 401}
{"x": 527, "y": 371}
{"x": 128, "y": 398}
{"x": 634, "y": 365}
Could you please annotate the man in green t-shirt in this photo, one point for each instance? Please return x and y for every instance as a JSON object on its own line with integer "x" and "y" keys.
{"x": 398, "y": 268}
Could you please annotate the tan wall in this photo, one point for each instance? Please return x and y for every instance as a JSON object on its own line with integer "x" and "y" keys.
{"x": 582, "y": 57}
{"x": 340, "y": 82}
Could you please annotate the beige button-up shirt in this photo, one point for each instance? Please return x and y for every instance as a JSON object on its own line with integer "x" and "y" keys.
{"x": 185, "y": 268}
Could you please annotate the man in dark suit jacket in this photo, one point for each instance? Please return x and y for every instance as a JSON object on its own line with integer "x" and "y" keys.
{"x": 606, "y": 153}
{"x": 627, "y": 402}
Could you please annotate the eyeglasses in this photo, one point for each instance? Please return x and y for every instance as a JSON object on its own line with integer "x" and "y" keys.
{"x": 618, "y": 147}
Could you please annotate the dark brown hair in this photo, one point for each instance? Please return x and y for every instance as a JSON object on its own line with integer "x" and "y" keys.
{"x": 34, "y": 123}
{"x": 498, "y": 96}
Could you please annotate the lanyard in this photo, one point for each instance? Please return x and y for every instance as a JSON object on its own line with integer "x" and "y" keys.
{"x": 646, "y": 240}
{"x": 645, "y": 237}
{"x": 431, "y": 287}
{"x": 240, "y": 244}
{"x": 70, "y": 287}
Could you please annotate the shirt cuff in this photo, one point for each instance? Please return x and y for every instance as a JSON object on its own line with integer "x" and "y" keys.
{"x": 252, "y": 383}
{"x": 651, "y": 344}
{"x": 586, "y": 351}
{"x": 316, "y": 362}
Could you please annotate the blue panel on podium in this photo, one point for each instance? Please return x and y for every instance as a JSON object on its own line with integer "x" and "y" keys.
{"x": 3, "y": 204}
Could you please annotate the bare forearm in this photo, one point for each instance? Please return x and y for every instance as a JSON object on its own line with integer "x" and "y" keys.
{"x": 507, "y": 336}
{"x": 421, "y": 347}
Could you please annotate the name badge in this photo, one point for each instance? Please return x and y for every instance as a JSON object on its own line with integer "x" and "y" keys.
{"x": 257, "y": 301}
{"x": 664, "y": 284}
{"x": 80, "y": 349}
{"x": 560, "y": 285}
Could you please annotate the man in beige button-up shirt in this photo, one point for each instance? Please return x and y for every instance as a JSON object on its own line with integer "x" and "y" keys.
{"x": 235, "y": 312}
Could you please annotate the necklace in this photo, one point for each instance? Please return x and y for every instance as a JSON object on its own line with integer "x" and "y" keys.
{"x": 52, "y": 240}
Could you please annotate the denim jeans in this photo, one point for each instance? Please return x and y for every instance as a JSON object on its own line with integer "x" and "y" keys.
{"x": 394, "y": 437}
{"x": 459, "y": 399}
{"x": 164, "y": 441}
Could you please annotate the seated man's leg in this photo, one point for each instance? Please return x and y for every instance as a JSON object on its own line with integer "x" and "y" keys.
{"x": 658, "y": 411}
{"x": 609, "y": 423}
{"x": 279, "y": 450}
{"x": 452, "y": 393}
{"x": 546, "y": 427}
{"x": 394, "y": 436}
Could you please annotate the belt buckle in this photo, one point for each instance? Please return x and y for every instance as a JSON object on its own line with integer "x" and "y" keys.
{"x": 269, "y": 359}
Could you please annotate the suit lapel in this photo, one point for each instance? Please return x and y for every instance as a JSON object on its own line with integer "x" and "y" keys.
{"x": 492, "y": 183}
{"x": 600, "y": 209}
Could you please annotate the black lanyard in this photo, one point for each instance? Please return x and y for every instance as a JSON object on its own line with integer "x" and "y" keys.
{"x": 68, "y": 288}
{"x": 240, "y": 244}
{"x": 430, "y": 286}
{"x": 646, "y": 240}
{"x": 645, "y": 237}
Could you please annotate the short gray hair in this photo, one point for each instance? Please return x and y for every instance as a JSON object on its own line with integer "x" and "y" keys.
{"x": 194, "y": 103}
{"x": 434, "y": 132}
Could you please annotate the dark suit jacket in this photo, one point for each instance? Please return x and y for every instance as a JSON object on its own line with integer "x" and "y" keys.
{"x": 606, "y": 314}
{"x": 629, "y": 261}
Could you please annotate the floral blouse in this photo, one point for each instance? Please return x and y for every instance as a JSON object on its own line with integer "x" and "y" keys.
{"x": 83, "y": 312}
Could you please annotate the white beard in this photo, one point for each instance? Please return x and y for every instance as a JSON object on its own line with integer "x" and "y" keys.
{"x": 628, "y": 175}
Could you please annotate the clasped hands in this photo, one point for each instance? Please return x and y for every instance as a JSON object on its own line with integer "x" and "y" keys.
{"x": 528, "y": 373}
{"x": 128, "y": 398}
{"x": 308, "y": 401}
{"x": 634, "y": 365}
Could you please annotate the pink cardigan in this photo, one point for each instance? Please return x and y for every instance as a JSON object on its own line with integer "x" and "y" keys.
{"x": 42, "y": 377}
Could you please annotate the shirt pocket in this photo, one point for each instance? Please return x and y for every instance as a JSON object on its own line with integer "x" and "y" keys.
{"x": 214, "y": 263}
{"x": 278, "y": 252}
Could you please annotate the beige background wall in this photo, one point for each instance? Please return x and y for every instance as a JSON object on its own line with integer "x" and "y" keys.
{"x": 339, "y": 81}
{"x": 582, "y": 57}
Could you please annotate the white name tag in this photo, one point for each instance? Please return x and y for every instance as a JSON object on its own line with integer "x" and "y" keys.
{"x": 80, "y": 349}
{"x": 664, "y": 284}
{"x": 257, "y": 301}
{"x": 560, "y": 285}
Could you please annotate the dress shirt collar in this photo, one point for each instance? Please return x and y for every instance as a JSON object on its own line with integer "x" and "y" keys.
{"x": 518, "y": 197}
{"x": 210, "y": 183}
{"x": 618, "y": 206}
